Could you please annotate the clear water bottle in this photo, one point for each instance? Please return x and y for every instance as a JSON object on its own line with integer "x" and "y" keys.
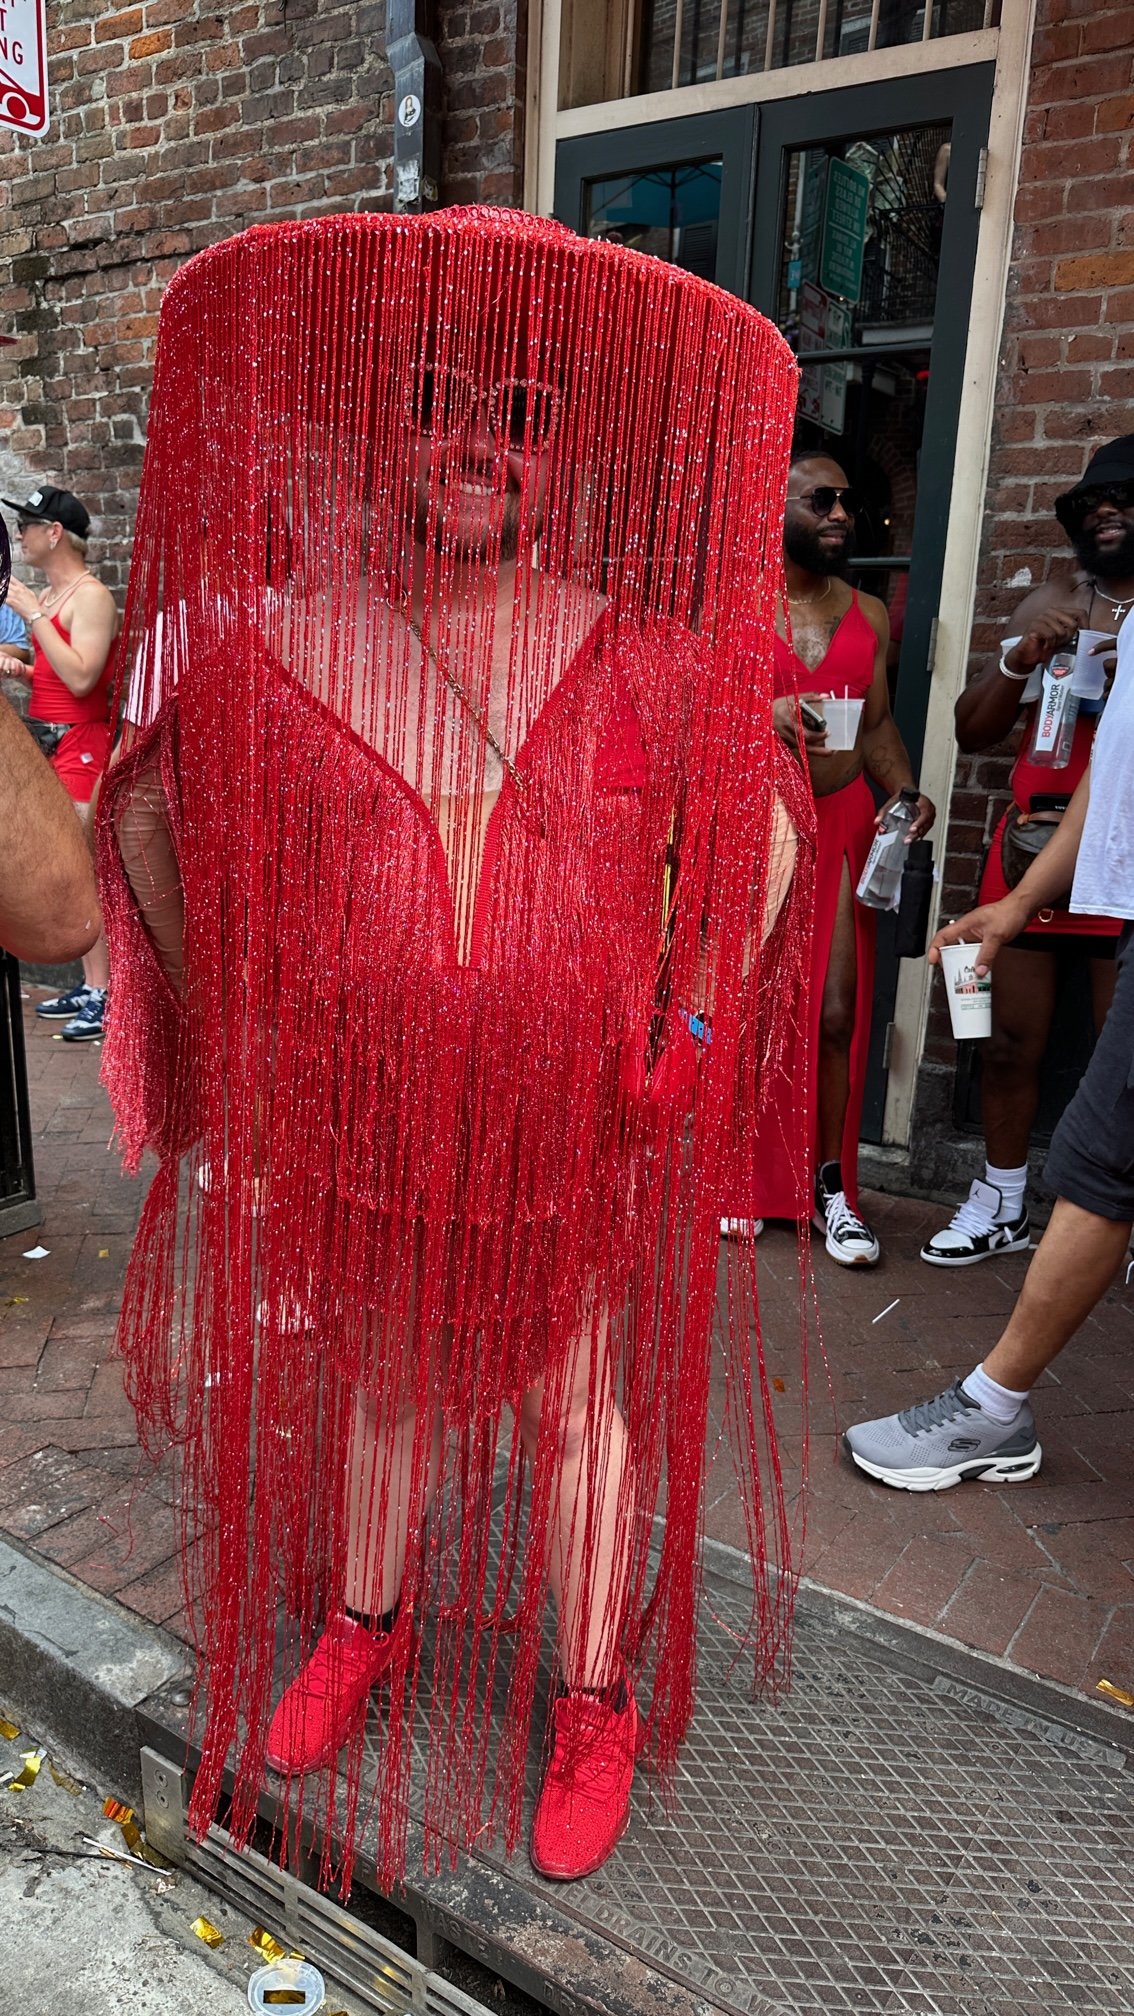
{"x": 880, "y": 885}
{"x": 1053, "y": 728}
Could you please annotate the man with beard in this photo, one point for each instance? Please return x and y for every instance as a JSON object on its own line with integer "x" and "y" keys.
{"x": 469, "y": 811}
{"x": 1098, "y": 517}
{"x": 831, "y": 642}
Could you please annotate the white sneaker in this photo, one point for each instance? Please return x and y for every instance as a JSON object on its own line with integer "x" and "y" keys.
{"x": 976, "y": 1231}
{"x": 849, "y": 1239}
{"x": 741, "y": 1228}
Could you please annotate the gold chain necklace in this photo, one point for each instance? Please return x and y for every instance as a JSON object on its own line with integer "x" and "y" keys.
{"x": 474, "y": 712}
{"x": 811, "y": 601}
{"x": 47, "y": 602}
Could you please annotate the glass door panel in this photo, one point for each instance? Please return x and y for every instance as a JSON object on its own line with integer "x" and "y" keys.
{"x": 871, "y": 233}
{"x": 679, "y": 188}
{"x": 857, "y": 292}
{"x": 672, "y": 212}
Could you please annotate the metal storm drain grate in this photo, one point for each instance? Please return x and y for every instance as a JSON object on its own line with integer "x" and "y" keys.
{"x": 911, "y": 1832}
{"x": 379, "y": 1974}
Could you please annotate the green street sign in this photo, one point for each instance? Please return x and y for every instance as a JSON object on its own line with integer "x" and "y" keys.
{"x": 844, "y": 229}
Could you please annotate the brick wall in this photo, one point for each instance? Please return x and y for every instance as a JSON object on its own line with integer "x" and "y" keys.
{"x": 175, "y": 123}
{"x": 1066, "y": 380}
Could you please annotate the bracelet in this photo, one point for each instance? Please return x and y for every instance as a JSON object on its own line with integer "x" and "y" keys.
{"x": 1017, "y": 678}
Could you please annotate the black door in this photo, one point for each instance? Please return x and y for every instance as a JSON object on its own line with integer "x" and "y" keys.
{"x": 850, "y": 218}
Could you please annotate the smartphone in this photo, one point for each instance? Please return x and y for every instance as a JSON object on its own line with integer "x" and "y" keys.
{"x": 812, "y": 719}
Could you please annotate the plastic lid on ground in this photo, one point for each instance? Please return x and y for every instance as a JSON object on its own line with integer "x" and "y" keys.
{"x": 287, "y": 1984}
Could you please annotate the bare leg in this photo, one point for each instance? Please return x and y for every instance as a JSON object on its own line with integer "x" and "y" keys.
{"x": 592, "y": 1512}
{"x": 149, "y": 858}
{"x": 1074, "y": 1265}
{"x": 379, "y": 1508}
{"x": 1023, "y": 1002}
{"x": 836, "y": 1028}
{"x": 96, "y": 962}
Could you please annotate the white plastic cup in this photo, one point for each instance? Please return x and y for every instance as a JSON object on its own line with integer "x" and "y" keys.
{"x": 293, "y": 1977}
{"x": 1088, "y": 680}
{"x": 842, "y": 717}
{"x": 970, "y": 998}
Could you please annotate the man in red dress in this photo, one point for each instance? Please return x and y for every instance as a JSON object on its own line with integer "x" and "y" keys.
{"x": 831, "y": 644}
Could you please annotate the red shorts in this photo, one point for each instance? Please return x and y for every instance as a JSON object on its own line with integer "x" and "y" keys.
{"x": 81, "y": 758}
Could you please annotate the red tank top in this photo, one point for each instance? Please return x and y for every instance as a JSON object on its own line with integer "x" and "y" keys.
{"x": 847, "y": 666}
{"x": 52, "y": 700}
{"x": 1028, "y": 778}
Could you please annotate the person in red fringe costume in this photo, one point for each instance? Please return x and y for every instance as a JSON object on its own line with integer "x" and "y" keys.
{"x": 831, "y": 642}
{"x": 455, "y": 878}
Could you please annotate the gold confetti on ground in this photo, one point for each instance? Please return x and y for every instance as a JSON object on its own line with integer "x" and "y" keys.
{"x": 32, "y": 1759}
{"x": 1116, "y": 1693}
{"x": 264, "y": 1944}
{"x": 9, "y": 1730}
{"x": 104, "y": 1252}
{"x": 208, "y": 1932}
{"x": 64, "y": 1780}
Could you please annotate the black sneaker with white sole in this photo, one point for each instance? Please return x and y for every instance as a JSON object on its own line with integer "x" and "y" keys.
{"x": 849, "y": 1240}
{"x": 977, "y": 1231}
{"x": 945, "y": 1441}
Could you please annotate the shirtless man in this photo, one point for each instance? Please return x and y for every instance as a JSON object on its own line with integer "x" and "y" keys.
{"x": 839, "y": 643}
{"x": 73, "y": 624}
{"x": 1098, "y": 594}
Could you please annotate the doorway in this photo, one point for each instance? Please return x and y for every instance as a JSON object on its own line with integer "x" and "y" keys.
{"x": 850, "y": 219}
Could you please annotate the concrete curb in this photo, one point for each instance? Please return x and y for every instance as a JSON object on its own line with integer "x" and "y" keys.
{"x": 77, "y": 1666}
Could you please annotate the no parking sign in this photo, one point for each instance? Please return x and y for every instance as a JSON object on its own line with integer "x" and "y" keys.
{"x": 23, "y": 65}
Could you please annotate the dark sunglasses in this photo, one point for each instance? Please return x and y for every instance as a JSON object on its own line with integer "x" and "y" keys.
{"x": 1075, "y": 507}
{"x": 823, "y": 499}
{"x": 22, "y": 523}
{"x": 519, "y": 413}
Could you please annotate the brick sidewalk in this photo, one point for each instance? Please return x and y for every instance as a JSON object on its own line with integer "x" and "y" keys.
{"x": 1043, "y": 1573}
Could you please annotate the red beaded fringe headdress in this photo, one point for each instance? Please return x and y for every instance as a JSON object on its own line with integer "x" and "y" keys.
{"x": 448, "y": 656}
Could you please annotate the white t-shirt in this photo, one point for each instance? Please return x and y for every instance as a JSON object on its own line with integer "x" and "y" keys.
{"x": 1104, "y": 872}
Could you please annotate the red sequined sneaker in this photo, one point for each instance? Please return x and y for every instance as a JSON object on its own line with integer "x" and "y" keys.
{"x": 318, "y": 1712}
{"x": 584, "y": 1807}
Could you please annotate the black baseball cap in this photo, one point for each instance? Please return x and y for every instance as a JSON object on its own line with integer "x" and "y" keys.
{"x": 1113, "y": 463}
{"x": 54, "y": 507}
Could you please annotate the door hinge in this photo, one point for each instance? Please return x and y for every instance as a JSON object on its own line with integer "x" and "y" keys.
{"x": 931, "y": 653}
{"x": 887, "y": 1046}
{"x": 981, "y": 179}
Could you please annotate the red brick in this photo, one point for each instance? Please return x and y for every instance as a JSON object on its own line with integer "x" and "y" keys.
{"x": 1115, "y": 115}
{"x": 1097, "y": 269}
{"x": 1084, "y": 349}
{"x": 989, "y": 1608}
{"x": 1059, "y": 1636}
{"x": 116, "y": 27}
{"x": 1111, "y": 28}
{"x": 1056, "y": 42}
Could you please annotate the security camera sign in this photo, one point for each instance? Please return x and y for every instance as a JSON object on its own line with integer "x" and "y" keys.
{"x": 23, "y": 65}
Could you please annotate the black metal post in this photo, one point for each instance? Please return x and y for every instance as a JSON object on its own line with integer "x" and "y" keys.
{"x": 418, "y": 83}
{"x": 18, "y": 1206}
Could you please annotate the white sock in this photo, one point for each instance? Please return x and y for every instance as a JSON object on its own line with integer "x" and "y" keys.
{"x": 1011, "y": 1184}
{"x": 999, "y": 1402}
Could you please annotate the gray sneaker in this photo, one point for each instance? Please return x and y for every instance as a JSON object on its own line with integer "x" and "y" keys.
{"x": 945, "y": 1441}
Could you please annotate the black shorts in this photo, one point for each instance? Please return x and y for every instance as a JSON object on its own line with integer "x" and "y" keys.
{"x": 1091, "y": 1159}
{"x": 1067, "y": 944}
